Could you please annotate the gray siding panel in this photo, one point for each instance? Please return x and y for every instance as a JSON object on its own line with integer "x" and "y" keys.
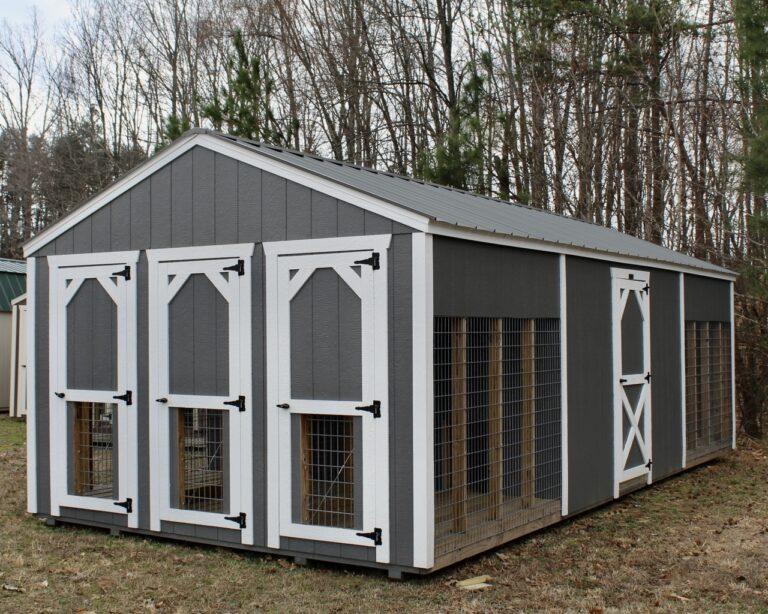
{"x": 226, "y": 187}
{"x": 590, "y": 383}
{"x": 203, "y": 209}
{"x": 181, "y": 200}
{"x": 141, "y": 215}
{"x": 299, "y": 211}
{"x": 186, "y": 203}
{"x": 666, "y": 381}
{"x": 160, "y": 208}
{"x": 476, "y": 279}
{"x": 707, "y": 299}
{"x": 273, "y": 218}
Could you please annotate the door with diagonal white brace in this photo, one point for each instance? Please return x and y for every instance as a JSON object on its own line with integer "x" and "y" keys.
{"x": 93, "y": 388}
{"x": 632, "y": 377}
{"x": 328, "y": 405}
{"x": 200, "y": 387}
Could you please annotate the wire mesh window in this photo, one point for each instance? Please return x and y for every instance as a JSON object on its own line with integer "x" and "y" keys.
{"x": 707, "y": 387}
{"x": 497, "y": 426}
{"x": 95, "y": 445}
{"x": 328, "y": 471}
{"x": 201, "y": 459}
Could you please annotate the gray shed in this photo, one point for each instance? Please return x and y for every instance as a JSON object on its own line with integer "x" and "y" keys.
{"x": 241, "y": 345}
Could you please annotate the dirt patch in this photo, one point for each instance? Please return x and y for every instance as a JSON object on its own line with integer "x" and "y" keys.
{"x": 694, "y": 543}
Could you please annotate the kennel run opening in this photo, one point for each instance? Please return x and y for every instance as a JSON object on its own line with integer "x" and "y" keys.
{"x": 241, "y": 345}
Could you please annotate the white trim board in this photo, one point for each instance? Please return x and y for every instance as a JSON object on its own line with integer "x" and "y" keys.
{"x": 683, "y": 401}
{"x": 397, "y": 213}
{"x": 32, "y": 504}
{"x": 733, "y": 369}
{"x": 423, "y": 402}
{"x": 564, "y": 468}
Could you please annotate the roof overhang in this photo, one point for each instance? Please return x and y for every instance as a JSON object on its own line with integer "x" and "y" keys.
{"x": 262, "y": 160}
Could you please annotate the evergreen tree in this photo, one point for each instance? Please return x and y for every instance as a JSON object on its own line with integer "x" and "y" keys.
{"x": 243, "y": 106}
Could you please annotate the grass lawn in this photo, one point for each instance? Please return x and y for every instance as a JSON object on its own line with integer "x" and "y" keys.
{"x": 694, "y": 543}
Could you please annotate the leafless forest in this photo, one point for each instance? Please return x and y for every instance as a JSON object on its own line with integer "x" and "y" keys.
{"x": 650, "y": 116}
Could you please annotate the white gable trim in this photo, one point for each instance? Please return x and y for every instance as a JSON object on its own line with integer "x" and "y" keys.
{"x": 243, "y": 154}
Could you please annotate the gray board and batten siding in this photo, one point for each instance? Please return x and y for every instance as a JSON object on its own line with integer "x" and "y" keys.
{"x": 172, "y": 208}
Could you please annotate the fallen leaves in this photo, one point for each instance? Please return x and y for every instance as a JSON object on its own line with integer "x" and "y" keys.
{"x": 474, "y": 584}
{"x": 14, "y": 589}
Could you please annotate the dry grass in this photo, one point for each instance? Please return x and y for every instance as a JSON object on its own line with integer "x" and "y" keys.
{"x": 695, "y": 543}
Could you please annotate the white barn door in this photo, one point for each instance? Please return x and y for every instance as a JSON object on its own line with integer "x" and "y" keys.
{"x": 328, "y": 391}
{"x": 632, "y": 376}
{"x": 92, "y": 320}
{"x": 200, "y": 387}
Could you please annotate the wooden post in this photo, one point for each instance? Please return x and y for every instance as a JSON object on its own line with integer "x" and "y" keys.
{"x": 306, "y": 461}
{"x": 182, "y": 460}
{"x": 495, "y": 417}
{"x": 692, "y": 391}
{"x": 82, "y": 446}
{"x": 705, "y": 384}
{"x": 528, "y": 350}
{"x": 459, "y": 424}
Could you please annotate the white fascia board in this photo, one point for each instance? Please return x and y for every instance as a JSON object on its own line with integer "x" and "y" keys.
{"x": 242, "y": 153}
{"x": 484, "y": 236}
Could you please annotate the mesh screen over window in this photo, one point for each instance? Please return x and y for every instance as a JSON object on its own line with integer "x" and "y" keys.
{"x": 328, "y": 471}
{"x": 707, "y": 387}
{"x": 94, "y": 447}
{"x": 201, "y": 459}
{"x": 497, "y": 426}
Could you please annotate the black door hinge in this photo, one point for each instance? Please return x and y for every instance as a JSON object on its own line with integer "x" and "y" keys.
{"x": 374, "y": 408}
{"x": 648, "y": 464}
{"x": 239, "y": 402}
{"x": 647, "y": 289}
{"x": 126, "y": 272}
{"x": 127, "y": 397}
{"x": 238, "y": 268}
{"x": 648, "y": 377}
{"x": 127, "y": 504}
{"x": 373, "y": 261}
{"x": 375, "y": 535}
{"x": 239, "y": 519}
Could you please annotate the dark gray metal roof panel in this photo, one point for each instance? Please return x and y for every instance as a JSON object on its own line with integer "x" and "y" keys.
{"x": 477, "y": 212}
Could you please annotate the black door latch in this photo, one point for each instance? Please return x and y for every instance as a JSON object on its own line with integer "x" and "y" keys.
{"x": 127, "y": 397}
{"x": 648, "y": 377}
{"x": 239, "y": 402}
{"x": 373, "y": 261}
{"x": 239, "y": 519}
{"x": 283, "y": 406}
{"x": 59, "y": 394}
{"x": 375, "y": 535}
{"x": 127, "y": 504}
{"x": 648, "y": 464}
{"x": 374, "y": 408}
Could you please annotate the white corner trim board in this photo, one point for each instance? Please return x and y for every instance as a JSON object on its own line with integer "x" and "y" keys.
{"x": 733, "y": 369}
{"x": 32, "y": 505}
{"x": 563, "y": 386}
{"x": 683, "y": 403}
{"x": 423, "y": 403}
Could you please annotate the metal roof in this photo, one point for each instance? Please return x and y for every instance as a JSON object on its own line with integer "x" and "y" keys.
{"x": 13, "y": 282}
{"x": 13, "y": 266}
{"x": 476, "y": 212}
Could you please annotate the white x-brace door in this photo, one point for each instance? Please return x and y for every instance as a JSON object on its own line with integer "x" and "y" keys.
{"x": 357, "y": 266}
{"x": 632, "y": 376}
{"x": 200, "y": 306}
{"x": 92, "y": 298}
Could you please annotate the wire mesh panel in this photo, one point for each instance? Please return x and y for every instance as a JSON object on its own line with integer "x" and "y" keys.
{"x": 201, "y": 454}
{"x": 328, "y": 471}
{"x": 94, "y": 445}
{"x": 707, "y": 387}
{"x": 497, "y": 426}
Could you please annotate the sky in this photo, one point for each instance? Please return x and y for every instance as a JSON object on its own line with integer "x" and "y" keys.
{"x": 50, "y": 12}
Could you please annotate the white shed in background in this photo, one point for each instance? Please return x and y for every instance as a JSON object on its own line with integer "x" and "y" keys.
{"x": 18, "y": 395}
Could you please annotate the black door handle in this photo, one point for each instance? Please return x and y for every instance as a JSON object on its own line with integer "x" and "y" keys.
{"x": 283, "y": 406}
